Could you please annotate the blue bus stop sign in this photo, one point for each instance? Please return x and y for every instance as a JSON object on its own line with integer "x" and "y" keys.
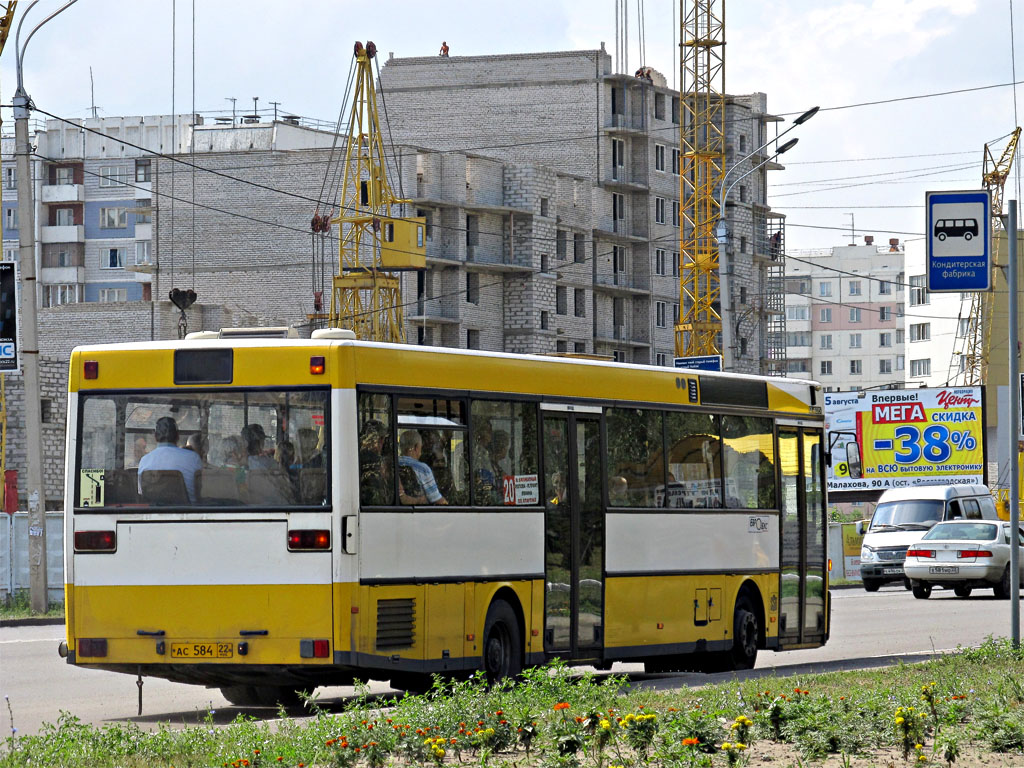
{"x": 958, "y": 237}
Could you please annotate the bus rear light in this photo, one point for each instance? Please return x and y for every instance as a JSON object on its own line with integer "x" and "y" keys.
{"x": 314, "y": 649}
{"x": 91, "y": 369}
{"x": 95, "y": 541}
{"x": 920, "y": 553}
{"x": 92, "y": 646}
{"x": 307, "y": 540}
{"x": 317, "y": 364}
{"x": 973, "y": 553}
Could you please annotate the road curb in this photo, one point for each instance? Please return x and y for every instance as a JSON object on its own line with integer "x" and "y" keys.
{"x": 31, "y": 621}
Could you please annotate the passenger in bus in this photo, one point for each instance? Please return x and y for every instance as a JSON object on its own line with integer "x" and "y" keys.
{"x": 309, "y": 456}
{"x": 417, "y": 483}
{"x": 434, "y": 457}
{"x": 168, "y": 456}
{"x": 499, "y": 453}
{"x": 199, "y": 445}
{"x": 233, "y": 449}
{"x": 486, "y": 475}
{"x": 618, "y": 491}
{"x": 141, "y": 449}
{"x": 255, "y": 438}
{"x": 374, "y": 485}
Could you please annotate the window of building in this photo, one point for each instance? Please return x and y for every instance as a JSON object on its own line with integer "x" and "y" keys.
{"x": 618, "y": 356}
{"x": 855, "y": 367}
{"x": 743, "y": 143}
{"x": 112, "y": 295}
{"x": 743, "y": 294}
{"x": 798, "y": 313}
{"x": 143, "y": 211}
{"x": 743, "y": 346}
{"x": 675, "y": 110}
{"x": 46, "y": 410}
{"x": 560, "y": 249}
{"x": 472, "y": 339}
{"x": 855, "y": 287}
{"x": 899, "y": 335}
{"x": 660, "y": 311}
{"x": 659, "y": 106}
{"x": 743, "y": 243}
{"x": 112, "y": 258}
{"x": 675, "y": 313}
{"x": 63, "y": 256}
{"x": 675, "y": 213}
{"x": 885, "y": 339}
{"x": 963, "y": 327}
{"x": 660, "y": 358}
{"x": 855, "y": 341}
{"x": 921, "y": 367}
{"x": 618, "y": 157}
{"x": 885, "y": 288}
{"x": 472, "y": 230}
{"x": 900, "y": 362}
{"x": 659, "y": 157}
{"x": 64, "y": 217}
{"x": 579, "y": 248}
{"x": 618, "y": 105}
{"x": 918, "y": 291}
{"x": 11, "y": 254}
{"x": 473, "y": 287}
{"x": 619, "y": 258}
{"x": 580, "y": 347}
{"x": 885, "y": 313}
{"x": 618, "y": 206}
{"x": 55, "y": 295}
{"x": 825, "y": 315}
{"x": 10, "y": 218}
{"x": 798, "y": 339}
{"x": 825, "y": 341}
{"x": 659, "y": 210}
{"x": 675, "y": 264}
{"x": 544, "y": 320}
{"x": 796, "y": 366}
{"x": 113, "y": 175}
{"x": 659, "y": 261}
{"x": 675, "y": 161}
{"x": 113, "y": 218}
{"x": 10, "y": 177}
{"x": 143, "y": 252}
{"x": 920, "y": 331}
{"x": 561, "y": 300}
{"x": 743, "y": 193}
{"x": 825, "y": 288}
{"x": 561, "y": 346}
{"x": 854, "y": 314}
{"x": 544, "y": 206}
{"x": 826, "y": 368}
{"x": 885, "y": 365}
{"x": 143, "y": 168}
{"x": 544, "y": 266}
{"x": 579, "y": 302}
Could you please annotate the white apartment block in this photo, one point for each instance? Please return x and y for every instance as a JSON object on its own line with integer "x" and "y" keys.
{"x": 845, "y": 316}
{"x": 935, "y": 331}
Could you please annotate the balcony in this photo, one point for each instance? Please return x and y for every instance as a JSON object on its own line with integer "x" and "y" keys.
{"x": 61, "y": 275}
{"x": 66, "y": 234}
{"x": 63, "y": 193}
{"x": 623, "y": 281}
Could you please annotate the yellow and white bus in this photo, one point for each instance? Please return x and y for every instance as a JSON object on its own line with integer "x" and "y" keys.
{"x": 361, "y": 510}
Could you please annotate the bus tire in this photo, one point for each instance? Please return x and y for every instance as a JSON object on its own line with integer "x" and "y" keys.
{"x": 503, "y": 646}
{"x": 745, "y": 635}
{"x": 411, "y": 682}
{"x": 240, "y": 695}
{"x": 277, "y": 695}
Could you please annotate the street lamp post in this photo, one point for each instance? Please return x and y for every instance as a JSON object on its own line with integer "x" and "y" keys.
{"x": 722, "y": 235}
{"x": 35, "y": 490}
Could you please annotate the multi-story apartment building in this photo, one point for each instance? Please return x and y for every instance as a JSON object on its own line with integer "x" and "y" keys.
{"x": 845, "y": 308}
{"x": 569, "y": 112}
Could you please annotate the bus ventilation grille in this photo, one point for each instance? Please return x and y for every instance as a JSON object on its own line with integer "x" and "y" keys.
{"x": 396, "y": 623}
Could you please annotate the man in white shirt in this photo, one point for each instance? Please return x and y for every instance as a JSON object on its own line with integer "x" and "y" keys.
{"x": 167, "y": 455}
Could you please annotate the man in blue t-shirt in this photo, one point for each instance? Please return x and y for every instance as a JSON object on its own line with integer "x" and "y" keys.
{"x": 422, "y": 487}
{"x": 167, "y": 455}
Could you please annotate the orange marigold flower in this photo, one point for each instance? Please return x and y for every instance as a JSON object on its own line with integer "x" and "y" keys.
{"x": 579, "y": 719}
{"x": 503, "y": 722}
{"x": 455, "y": 741}
{"x": 245, "y": 763}
{"x": 364, "y": 722}
{"x": 479, "y": 722}
{"x": 498, "y": 713}
{"x": 691, "y": 742}
{"x": 561, "y": 705}
{"x": 280, "y": 758}
{"x": 255, "y": 751}
{"x": 369, "y": 727}
{"x": 641, "y": 706}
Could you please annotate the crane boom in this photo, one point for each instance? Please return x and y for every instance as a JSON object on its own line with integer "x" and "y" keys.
{"x": 374, "y": 244}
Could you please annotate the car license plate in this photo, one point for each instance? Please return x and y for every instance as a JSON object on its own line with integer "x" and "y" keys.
{"x": 202, "y": 650}
{"x": 943, "y": 569}
{"x": 892, "y": 571}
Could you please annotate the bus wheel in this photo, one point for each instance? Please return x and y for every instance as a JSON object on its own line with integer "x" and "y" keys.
{"x": 277, "y": 695}
{"x": 744, "y": 639}
{"x": 503, "y": 648}
{"x": 241, "y": 695}
{"x": 411, "y": 682}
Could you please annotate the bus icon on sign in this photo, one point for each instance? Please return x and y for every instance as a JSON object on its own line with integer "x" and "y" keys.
{"x": 965, "y": 228}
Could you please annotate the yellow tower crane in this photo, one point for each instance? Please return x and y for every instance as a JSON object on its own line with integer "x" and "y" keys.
{"x": 970, "y": 355}
{"x": 374, "y": 245}
{"x": 702, "y": 144}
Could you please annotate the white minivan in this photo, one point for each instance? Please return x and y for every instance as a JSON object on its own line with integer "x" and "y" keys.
{"x": 903, "y": 514}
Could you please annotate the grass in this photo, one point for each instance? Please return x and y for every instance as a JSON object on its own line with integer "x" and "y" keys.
{"x": 962, "y": 709}
{"x": 17, "y": 605}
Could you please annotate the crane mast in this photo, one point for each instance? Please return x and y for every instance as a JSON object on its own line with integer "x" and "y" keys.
{"x": 374, "y": 244}
{"x": 702, "y": 145}
{"x": 971, "y": 354}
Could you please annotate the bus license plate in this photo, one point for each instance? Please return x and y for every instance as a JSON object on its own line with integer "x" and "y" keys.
{"x": 202, "y": 650}
{"x": 943, "y": 569}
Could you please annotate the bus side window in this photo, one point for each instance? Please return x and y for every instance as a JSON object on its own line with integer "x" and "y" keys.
{"x": 376, "y": 450}
{"x": 954, "y": 511}
{"x": 971, "y": 509}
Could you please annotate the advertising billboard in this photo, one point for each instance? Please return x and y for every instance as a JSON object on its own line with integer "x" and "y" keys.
{"x": 9, "y": 359}
{"x": 900, "y": 438}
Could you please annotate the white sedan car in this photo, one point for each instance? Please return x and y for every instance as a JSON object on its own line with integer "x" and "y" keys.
{"x": 962, "y": 555}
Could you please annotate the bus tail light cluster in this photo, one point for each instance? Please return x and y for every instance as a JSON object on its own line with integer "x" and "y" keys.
{"x": 91, "y": 646}
{"x": 317, "y": 365}
{"x": 920, "y": 553}
{"x": 962, "y": 553}
{"x": 314, "y": 649}
{"x": 91, "y": 369}
{"x": 299, "y": 541}
{"x": 95, "y": 541}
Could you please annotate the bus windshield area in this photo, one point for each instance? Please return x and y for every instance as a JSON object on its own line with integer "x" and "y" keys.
{"x": 912, "y": 514}
{"x": 263, "y": 448}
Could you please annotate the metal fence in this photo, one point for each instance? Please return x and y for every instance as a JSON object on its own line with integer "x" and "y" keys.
{"x": 14, "y": 572}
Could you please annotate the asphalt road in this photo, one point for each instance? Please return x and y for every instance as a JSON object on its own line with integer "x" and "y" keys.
{"x": 867, "y": 630}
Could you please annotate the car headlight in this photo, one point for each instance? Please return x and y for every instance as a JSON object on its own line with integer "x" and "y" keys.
{"x": 867, "y": 555}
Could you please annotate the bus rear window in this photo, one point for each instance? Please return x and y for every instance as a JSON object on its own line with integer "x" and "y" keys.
{"x": 266, "y": 448}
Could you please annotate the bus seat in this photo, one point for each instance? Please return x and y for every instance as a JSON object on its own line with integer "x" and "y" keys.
{"x": 268, "y": 487}
{"x": 121, "y": 486}
{"x": 218, "y": 485}
{"x": 164, "y": 487}
{"x": 312, "y": 481}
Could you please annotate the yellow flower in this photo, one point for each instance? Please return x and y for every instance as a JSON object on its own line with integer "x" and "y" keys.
{"x": 899, "y": 721}
{"x": 726, "y": 745}
{"x": 605, "y": 725}
{"x": 739, "y": 745}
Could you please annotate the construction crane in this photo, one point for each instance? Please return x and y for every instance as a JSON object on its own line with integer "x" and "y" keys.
{"x": 374, "y": 245}
{"x": 969, "y": 363}
{"x": 702, "y": 144}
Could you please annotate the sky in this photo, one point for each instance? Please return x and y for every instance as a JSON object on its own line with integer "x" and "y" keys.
{"x": 860, "y": 168}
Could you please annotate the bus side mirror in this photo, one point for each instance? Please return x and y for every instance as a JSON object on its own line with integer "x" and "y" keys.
{"x": 853, "y": 460}
{"x": 862, "y": 527}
